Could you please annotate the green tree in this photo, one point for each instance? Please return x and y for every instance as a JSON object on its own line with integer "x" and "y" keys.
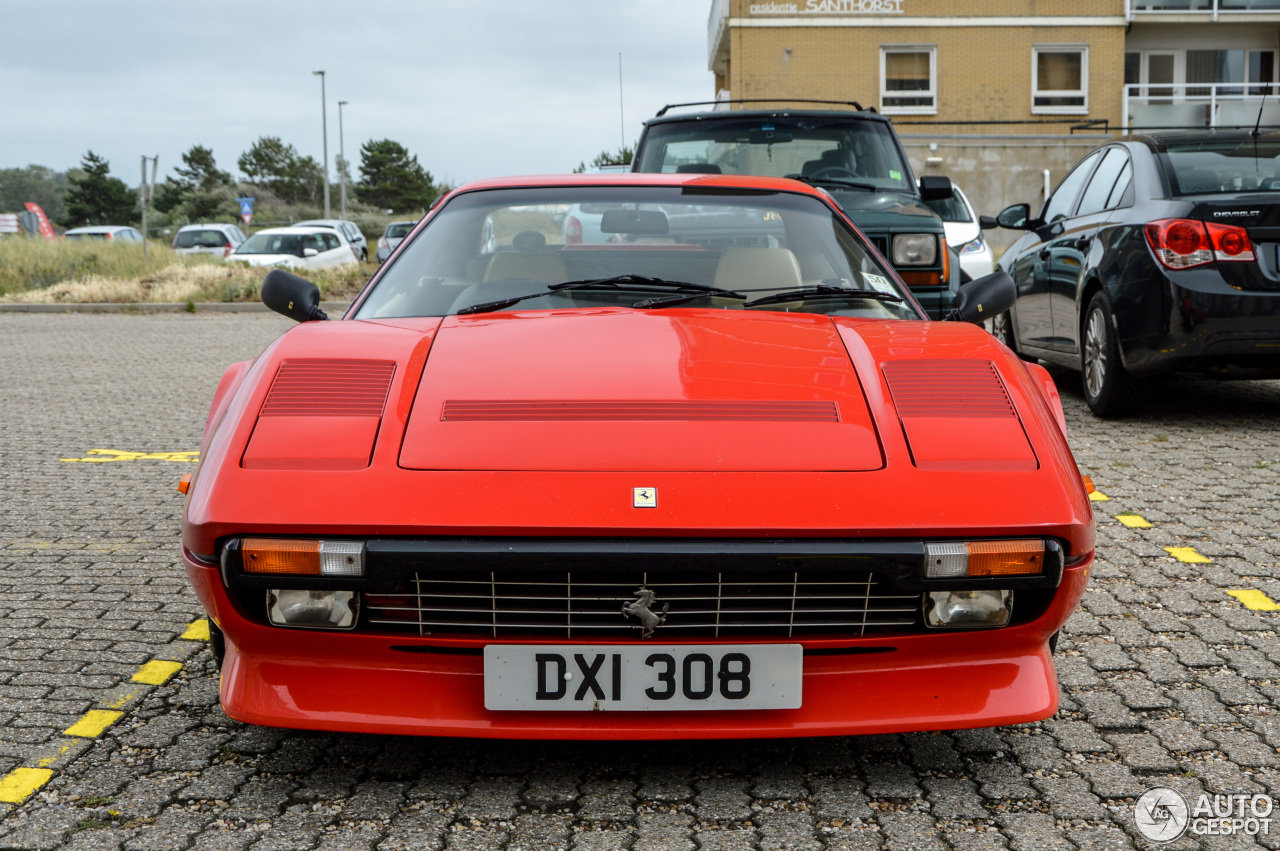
{"x": 272, "y": 164}
{"x": 622, "y": 156}
{"x": 36, "y": 184}
{"x": 97, "y": 198}
{"x": 392, "y": 179}
{"x": 199, "y": 172}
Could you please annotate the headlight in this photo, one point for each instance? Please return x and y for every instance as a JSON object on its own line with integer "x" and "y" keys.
{"x": 973, "y": 246}
{"x": 915, "y": 249}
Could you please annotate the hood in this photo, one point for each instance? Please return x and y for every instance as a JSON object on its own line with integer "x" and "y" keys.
{"x": 266, "y": 259}
{"x": 640, "y": 391}
{"x": 886, "y": 211}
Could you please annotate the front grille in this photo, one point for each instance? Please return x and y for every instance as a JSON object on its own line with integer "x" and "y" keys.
{"x": 881, "y": 243}
{"x": 697, "y": 603}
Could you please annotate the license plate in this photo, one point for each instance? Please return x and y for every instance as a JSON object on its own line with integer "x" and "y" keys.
{"x": 645, "y": 677}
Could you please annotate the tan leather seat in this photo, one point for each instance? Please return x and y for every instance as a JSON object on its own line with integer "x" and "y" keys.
{"x": 761, "y": 270}
{"x": 545, "y": 267}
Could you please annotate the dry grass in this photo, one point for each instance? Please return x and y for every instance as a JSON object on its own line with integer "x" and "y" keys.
{"x": 69, "y": 272}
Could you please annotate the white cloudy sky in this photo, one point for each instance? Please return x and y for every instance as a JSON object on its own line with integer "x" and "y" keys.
{"x": 475, "y": 88}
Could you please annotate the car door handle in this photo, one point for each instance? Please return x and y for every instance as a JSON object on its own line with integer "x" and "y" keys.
{"x": 1082, "y": 244}
{"x": 1044, "y": 254}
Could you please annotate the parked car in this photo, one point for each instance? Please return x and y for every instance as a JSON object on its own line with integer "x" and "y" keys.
{"x": 391, "y": 237}
{"x": 854, "y": 154}
{"x": 349, "y": 230}
{"x": 296, "y": 248}
{"x": 215, "y": 240}
{"x": 964, "y": 234}
{"x": 1155, "y": 254}
{"x": 636, "y": 490}
{"x": 106, "y": 233}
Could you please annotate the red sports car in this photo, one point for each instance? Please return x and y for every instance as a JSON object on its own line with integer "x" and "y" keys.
{"x": 716, "y": 476}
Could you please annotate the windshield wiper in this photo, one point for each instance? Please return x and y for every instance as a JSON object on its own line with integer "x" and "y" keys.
{"x": 833, "y": 181}
{"x": 822, "y": 291}
{"x": 639, "y": 282}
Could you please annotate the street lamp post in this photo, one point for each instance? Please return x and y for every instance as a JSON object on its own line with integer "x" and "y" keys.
{"x": 342, "y": 157}
{"x": 324, "y": 121}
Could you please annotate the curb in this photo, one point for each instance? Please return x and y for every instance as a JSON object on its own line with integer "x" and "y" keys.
{"x": 333, "y": 308}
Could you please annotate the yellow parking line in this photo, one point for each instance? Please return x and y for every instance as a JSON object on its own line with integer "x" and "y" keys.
{"x": 156, "y": 673}
{"x": 197, "y": 630}
{"x": 1134, "y": 521}
{"x": 1254, "y": 599}
{"x": 92, "y": 723}
{"x": 1098, "y": 496}
{"x": 19, "y": 784}
{"x": 1187, "y": 554}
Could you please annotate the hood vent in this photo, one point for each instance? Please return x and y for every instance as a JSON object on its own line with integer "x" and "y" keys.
{"x": 947, "y": 388}
{"x": 329, "y": 388}
{"x": 675, "y": 411}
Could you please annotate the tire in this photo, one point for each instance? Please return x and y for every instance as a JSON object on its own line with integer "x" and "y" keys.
{"x": 217, "y": 644}
{"x": 1053, "y": 643}
{"x": 1107, "y": 387}
{"x": 1002, "y": 330}
{"x": 364, "y": 255}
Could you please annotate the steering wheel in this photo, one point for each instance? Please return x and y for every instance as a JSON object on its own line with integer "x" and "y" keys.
{"x": 834, "y": 172}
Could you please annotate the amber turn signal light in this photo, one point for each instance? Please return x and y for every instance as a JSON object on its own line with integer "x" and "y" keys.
{"x": 302, "y": 557}
{"x": 1089, "y": 487}
{"x": 184, "y": 483}
{"x": 984, "y": 558}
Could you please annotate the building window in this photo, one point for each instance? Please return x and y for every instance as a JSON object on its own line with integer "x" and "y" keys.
{"x": 909, "y": 79}
{"x": 1060, "y": 78}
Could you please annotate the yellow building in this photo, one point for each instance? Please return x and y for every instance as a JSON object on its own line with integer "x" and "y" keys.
{"x": 1037, "y": 65}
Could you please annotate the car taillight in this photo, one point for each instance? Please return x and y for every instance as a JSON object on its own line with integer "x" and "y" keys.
{"x": 1183, "y": 243}
{"x": 383, "y": 244}
{"x": 226, "y": 249}
{"x": 572, "y": 231}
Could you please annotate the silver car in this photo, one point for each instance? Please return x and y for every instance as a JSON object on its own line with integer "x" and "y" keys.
{"x": 391, "y": 237}
{"x": 215, "y": 240}
{"x": 349, "y": 230}
{"x": 106, "y": 233}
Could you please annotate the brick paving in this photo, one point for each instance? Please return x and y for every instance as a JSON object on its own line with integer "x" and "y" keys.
{"x": 1166, "y": 679}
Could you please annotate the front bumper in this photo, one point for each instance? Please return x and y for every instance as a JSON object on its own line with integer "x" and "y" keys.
{"x": 396, "y": 684}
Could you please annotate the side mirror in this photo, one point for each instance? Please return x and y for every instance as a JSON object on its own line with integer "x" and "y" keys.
{"x": 309, "y": 252}
{"x": 935, "y": 187}
{"x": 985, "y": 298}
{"x": 987, "y": 222}
{"x": 1015, "y": 217}
{"x": 294, "y": 297}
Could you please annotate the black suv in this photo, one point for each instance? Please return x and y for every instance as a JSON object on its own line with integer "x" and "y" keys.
{"x": 852, "y": 154}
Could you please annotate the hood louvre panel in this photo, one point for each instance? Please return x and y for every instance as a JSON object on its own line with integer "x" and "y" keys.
{"x": 329, "y": 388}
{"x": 947, "y": 388}
{"x": 669, "y": 411}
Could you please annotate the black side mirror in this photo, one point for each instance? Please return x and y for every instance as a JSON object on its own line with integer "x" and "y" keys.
{"x": 987, "y": 222}
{"x": 935, "y": 187}
{"x": 294, "y": 297}
{"x": 1015, "y": 217}
{"x": 985, "y": 298}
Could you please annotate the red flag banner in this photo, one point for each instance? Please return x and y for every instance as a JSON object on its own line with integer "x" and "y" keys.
{"x": 46, "y": 229}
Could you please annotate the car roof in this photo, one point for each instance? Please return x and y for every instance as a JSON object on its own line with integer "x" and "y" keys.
{"x": 780, "y": 112}
{"x": 218, "y": 226}
{"x": 101, "y": 229}
{"x": 299, "y": 229}
{"x": 727, "y": 181}
{"x": 326, "y": 222}
{"x": 1161, "y": 140}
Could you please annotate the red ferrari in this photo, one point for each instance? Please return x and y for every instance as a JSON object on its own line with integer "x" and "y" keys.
{"x": 710, "y": 474}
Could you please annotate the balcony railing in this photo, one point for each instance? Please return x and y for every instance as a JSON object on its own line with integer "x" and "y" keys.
{"x": 1211, "y": 9}
{"x": 1201, "y": 105}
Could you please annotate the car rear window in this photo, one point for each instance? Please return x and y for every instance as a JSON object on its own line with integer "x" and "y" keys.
{"x": 1217, "y": 165}
{"x": 200, "y": 239}
{"x": 398, "y": 231}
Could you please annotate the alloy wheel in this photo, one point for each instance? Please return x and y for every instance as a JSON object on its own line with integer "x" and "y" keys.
{"x": 1095, "y": 353}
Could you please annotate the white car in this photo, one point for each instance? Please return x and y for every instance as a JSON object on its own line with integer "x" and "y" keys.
{"x": 295, "y": 248}
{"x": 349, "y": 230}
{"x": 964, "y": 234}
{"x": 215, "y": 240}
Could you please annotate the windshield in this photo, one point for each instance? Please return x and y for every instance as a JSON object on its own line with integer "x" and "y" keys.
{"x": 200, "y": 239}
{"x": 717, "y": 247}
{"x": 832, "y": 148}
{"x": 1219, "y": 165}
{"x": 951, "y": 209}
{"x": 273, "y": 243}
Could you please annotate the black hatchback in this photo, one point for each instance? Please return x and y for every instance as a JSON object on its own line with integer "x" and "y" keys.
{"x": 1156, "y": 253}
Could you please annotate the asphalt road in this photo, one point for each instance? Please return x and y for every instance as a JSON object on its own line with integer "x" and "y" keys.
{"x": 1167, "y": 678}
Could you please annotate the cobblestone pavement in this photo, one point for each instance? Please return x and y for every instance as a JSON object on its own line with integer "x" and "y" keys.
{"x": 1167, "y": 679}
